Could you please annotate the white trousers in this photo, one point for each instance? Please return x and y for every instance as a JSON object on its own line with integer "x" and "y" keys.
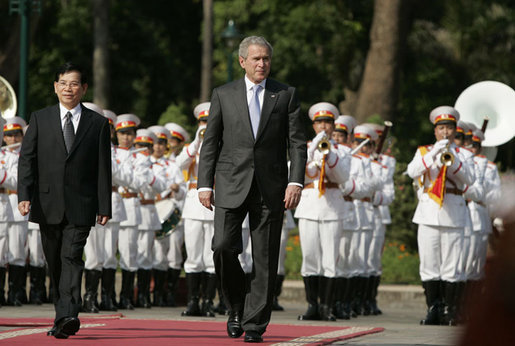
{"x": 94, "y": 249}
{"x": 145, "y": 245}
{"x": 4, "y": 241}
{"x": 17, "y": 250}
{"x": 198, "y": 236}
{"x": 440, "y": 250}
{"x": 320, "y": 244}
{"x": 168, "y": 250}
{"x": 111, "y": 232}
{"x": 364, "y": 250}
{"x": 35, "y": 248}
{"x": 128, "y": 247}
{"x": 348, "y": 261}
{"x": 374, "y": 267}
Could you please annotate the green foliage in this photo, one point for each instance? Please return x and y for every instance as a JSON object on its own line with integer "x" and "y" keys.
{"x": 293, "y": 260}
{"x": 399, "y": 265}
{"x": 176, "y": 114}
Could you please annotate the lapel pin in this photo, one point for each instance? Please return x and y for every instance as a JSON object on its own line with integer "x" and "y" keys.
{"x": 273, "y": 95}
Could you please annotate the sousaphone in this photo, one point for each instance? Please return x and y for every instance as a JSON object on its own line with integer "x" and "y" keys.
{"x": 496, "y": 101}
{"x": 8, "y": 103}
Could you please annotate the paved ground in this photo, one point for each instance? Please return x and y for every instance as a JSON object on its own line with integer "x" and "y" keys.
{"x": 400, "y": 323}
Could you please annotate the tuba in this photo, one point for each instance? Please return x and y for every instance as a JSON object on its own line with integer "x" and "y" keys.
{"x": 8, "y": 103}
{"x": 492, "y": 100}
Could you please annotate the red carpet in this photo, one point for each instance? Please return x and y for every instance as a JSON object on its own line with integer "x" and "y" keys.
{"x": 113, "y": 330}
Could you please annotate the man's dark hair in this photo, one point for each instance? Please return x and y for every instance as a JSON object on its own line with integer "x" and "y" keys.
{"x": 69, "y": 67}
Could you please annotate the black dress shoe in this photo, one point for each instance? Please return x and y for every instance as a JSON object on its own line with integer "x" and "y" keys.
{"x": 51, "y": 332}
{"x": 234, "y": 329}
{"x": 252, "y": 336}
{"x": 66, "y": 326}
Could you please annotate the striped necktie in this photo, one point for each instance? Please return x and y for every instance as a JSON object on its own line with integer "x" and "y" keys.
{"x": 68, "y": 132}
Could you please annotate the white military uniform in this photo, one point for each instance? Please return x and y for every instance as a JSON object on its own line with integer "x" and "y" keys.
{"x": 198, "y": 220}
{"x": 8, "y": 181}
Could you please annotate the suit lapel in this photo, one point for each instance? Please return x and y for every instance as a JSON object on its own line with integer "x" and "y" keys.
{"x": 55, "y": 119}
{"x": 84, "y": 124}
{"x": 269, "y": 100}
{"x": 242, "y": 107}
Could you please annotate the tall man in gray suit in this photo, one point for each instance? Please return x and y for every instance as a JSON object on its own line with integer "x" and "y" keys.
{"x": 64, "y": 181}
{"x": 253, "y": 124}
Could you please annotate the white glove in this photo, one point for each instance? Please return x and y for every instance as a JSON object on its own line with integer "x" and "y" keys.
{"x": 142, "y": 162}
{"x": 314, "y": 145}
{"x": 438, "y": 147}
{"x": 195, "y": 145}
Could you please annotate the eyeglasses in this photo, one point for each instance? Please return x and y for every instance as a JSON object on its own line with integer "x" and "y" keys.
{"x": 73, "y": 85}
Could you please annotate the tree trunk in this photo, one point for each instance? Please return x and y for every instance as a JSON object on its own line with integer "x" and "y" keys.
{"x": 207, "y": 51}
{"x": 379, "y": 87}
{"x": 101, "y": 53}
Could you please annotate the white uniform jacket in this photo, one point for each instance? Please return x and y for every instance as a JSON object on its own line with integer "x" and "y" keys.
{"x": 492, "y": 188}
{"x": 121, "y": 176}
{"x": 8, "y": 181}
{"x": 328, "y": 206}
{"x": 13, "y": 196}
{"x": 149, "y": 217}
{"x": 390, "y": 162}
{"x": 188, "y": 161}
{"x": 453, "y": 212}
{"x": 475, "y": 195}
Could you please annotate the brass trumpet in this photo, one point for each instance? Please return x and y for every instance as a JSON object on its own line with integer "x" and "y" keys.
{"x": 447, "y": 157}
{"x": 201, "y": 133}
{"x": 324, "y": 146}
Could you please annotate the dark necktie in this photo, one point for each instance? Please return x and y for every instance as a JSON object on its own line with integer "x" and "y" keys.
{"x": 68, "y": 132}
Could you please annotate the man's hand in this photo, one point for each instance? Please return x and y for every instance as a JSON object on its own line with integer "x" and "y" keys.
{"x": 207, "y": 199}
{"x": 438, "y": 147}
{"x": 102, "y": 219}
{"x": 292, "y": 196}
{"x": 24, "y": 207}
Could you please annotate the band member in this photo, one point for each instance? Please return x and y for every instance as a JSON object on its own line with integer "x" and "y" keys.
{"x": 198, "y": 229}
{"x": 320, "y": 213}
{"x": 126, "y": 125}
{"x": 167, "y": 262}
{"x": 8, "y": 175}
{"x": 150, "y": 222}
{"x": 444, "y": 170}
{"x": 178, "y": 136}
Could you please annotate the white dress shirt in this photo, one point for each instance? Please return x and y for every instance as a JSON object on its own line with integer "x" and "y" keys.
{"x": 75, "y": 116}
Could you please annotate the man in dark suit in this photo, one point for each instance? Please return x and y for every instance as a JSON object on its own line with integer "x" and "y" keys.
{"x": 64, "y": 181}
{"x": 253, "y": 123}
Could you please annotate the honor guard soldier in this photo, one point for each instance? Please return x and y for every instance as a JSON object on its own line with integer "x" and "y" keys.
{"x": 94, "y": 253}
{"x": 125, "y": 127}
{"x": 383, "y": 168}
{"x": 178, "y": 136}
{"x": 444, "y": 170}
{"x": 320, "y": 212}
{"x": 18, "y": 228}
{"x": 8, "y": 181}
{"x": 198, "y": 228}
{"x": 167, "y": 260}
{"x": 122, "y": 175}
{"x": 150, "y": 223}
{"x": 356, "y": 187}
{"x": 366, "y": 215}
{"x": 461, "y": 128}
{"x": 481, "y": 223}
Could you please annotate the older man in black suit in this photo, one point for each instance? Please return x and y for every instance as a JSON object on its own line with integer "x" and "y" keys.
{"x": 253, "y": 124}
{"x": 64, "y": 181}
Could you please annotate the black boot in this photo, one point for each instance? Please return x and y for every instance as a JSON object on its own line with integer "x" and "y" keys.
{"x": 37, "y": 293}
{"x": 2, "y": 286}
{"x": 127, "y": 292}
{"x": 193, "y": 282}
{"x": 373, "y": 301}
{"x": 277, "y": 292}
{"x": 367, "y": 296}
{"x": 208, "y": 294}
{"x": 108, "y": 279}
{"x": 172, "y": 279}
{"x": 326, "y": 290}
{"x": 90, "y": 298}
{"x": 159, "y": 288}
{"x": 433, "y": 301}
{"x": 144, "y": 289}
{"x": 348, "y": 299}
{"x": 341, "y": 309}
{"x": 311, "y": 285}
{"x": 450, "y": 300}
{"x": 17, "y": 295}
